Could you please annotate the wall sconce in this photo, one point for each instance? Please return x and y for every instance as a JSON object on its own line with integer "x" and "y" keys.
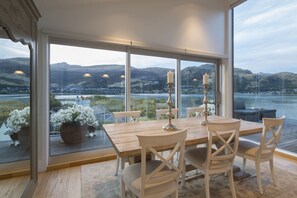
{"x": 194, "y": 79}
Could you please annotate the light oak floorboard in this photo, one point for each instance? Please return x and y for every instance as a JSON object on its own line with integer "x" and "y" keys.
{"x": 64, "y": 183}
{"x": 13, "y": 187}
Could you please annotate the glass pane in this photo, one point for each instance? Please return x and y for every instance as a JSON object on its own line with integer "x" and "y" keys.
{"x": 86, "y": 86}
{"x": 14, "y": 114}
{"x": 265, "y": 70}
{"x": 14, "y": 101}
{"x": 192, "y": 91}
{"x": 149, "y": 90}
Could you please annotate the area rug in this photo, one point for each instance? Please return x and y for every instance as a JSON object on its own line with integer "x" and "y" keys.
{"x": 99, "y": 181}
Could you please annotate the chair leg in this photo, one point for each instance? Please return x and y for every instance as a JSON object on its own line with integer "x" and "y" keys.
{"x": 232, "y": 188}
{"x": 243, "y": 164}
{"x": 183, "y": 174}
{"x": 206, "y": 181}
{"x": 272, "y": 171}
{"x": 123, "y": 188}
{"x": 117, "y": 166}
{"x": 257, "y": 163}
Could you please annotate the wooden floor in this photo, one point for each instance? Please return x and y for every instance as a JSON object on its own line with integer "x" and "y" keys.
{"x": 9, "y": 153}
{"x": 66, "y": 183}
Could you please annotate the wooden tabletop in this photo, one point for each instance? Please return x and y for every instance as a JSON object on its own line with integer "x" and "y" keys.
{"x": 124, "y": 140}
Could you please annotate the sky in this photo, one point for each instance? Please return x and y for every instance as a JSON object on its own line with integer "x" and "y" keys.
{"x": 265, "y": 40}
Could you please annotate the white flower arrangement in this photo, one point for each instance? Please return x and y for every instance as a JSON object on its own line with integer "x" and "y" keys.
{"x": 74, "y": 114}
{"x": 18, "y": 119}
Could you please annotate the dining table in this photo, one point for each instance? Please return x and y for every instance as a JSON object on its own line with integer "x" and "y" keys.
{"x": 123, "y": 136}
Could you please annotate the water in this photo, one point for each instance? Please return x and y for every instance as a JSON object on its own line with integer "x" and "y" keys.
{"x": 284, "y": 105}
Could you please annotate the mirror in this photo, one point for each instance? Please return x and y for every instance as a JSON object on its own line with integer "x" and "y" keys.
{"x": 14, "y": 116}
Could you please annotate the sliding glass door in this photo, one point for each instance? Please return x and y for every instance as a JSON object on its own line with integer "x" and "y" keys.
{"x": 86, "y": 86}
{"x": 192, "y": 92}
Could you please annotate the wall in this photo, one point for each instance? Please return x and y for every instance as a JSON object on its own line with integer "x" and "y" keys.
{"x": 195, "y": 25}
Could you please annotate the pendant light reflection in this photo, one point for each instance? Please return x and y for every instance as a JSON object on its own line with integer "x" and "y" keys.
{"x": 87, "y": 75}
{"x": 105, "y": 76}
{"x": 19, "y": 72}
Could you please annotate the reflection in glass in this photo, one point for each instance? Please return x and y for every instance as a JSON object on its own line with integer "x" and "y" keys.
{"x": 192, "y": 92}
{"x": 14, "y": 114}
{"x": 84, "y": 92}
{"x": 149, "y": 90}
{"x": 265, "y": 66}
{"x": 14, "y": 101}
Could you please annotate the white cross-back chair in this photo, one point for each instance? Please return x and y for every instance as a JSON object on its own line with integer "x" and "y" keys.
{"x": 125, "y": 116}
{"x": 155, "y": 178}
{"x": 194, "y": 111}
{"x": 161, "y": 113}
{"x": 263, "y": 152}
{"x": 216, "y": 160}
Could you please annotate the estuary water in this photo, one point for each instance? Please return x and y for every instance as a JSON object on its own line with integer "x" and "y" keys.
{"x": 284, "y": 105}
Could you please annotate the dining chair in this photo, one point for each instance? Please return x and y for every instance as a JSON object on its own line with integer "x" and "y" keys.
{"x": 125, "y": 116}
{"x": 217, "y": 160}
{"x": 156, "y": 178}
{"x": 161, "y": 113}
{"x": 263, "y": 152}
{"x": 194, "y": 111}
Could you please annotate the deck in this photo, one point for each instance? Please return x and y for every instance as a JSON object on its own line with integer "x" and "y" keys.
{"x": 8, "y": 153}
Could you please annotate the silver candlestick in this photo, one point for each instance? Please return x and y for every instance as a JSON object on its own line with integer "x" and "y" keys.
{"x": 205, "y": 102}
{"x": 169, "y": 126}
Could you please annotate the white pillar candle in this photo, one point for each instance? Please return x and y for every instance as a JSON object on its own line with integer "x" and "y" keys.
{"x": 205, "y": 79}
{"x": 169, "y": 77}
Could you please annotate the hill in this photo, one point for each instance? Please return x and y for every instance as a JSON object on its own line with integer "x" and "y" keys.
{"x": 69, "y": 78}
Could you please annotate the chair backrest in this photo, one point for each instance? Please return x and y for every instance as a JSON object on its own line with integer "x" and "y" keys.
{"x": 167, "y": 171}
{"x": 126, "y": 116}
{"x": 194, "y": 111}
{"x": 161, "y": 113}
{"x": 226, "y": 137}
{"x": 271, "y": 133}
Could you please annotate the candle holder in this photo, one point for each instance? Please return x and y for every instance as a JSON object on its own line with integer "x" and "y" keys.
{"x": 169, "y": 126}
{"x": 205, "y": 102}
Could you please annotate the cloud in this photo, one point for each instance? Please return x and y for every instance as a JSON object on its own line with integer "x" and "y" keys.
{"x": 9, "y": 49}
{"x": 265, "y": 36}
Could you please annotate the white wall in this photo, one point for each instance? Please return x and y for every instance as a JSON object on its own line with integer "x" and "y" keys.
{"x": 195, "y": 25}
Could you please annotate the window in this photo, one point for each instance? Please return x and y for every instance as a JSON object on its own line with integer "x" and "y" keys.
{"x": 84, "y": 80}
{"x": 14, "y": 101}
{"x": 149, "y": 90}
{"x": 192, "y": 91}
{"x": 265, "y": 61}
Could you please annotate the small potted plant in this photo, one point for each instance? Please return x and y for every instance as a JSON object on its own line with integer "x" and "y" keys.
{"x": 18, "y": 124}
{"x": 73, "y": 123}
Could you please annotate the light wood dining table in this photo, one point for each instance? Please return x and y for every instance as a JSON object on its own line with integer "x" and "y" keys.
{"x": 124, "y": 140}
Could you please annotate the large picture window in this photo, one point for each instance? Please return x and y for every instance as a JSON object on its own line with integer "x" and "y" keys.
{"x": 265, "y": 62}
{"x": 14, "y": 101}
{"x": 149, "y": 90}
{"x": 192, "y": 92}
{"x": 86, "y": 86}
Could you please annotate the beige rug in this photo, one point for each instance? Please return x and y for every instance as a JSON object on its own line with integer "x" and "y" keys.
{"x": 99, "y": 181}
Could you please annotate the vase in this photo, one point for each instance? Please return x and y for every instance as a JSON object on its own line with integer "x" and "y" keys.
{"x": 22, "y": 137}
{"x": 73, "y": 133}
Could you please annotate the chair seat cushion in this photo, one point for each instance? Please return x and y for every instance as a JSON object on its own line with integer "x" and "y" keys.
{"x": 132, "y": 177}
{"x": 197, "y": 156}
{"x": 250, "y": 148}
